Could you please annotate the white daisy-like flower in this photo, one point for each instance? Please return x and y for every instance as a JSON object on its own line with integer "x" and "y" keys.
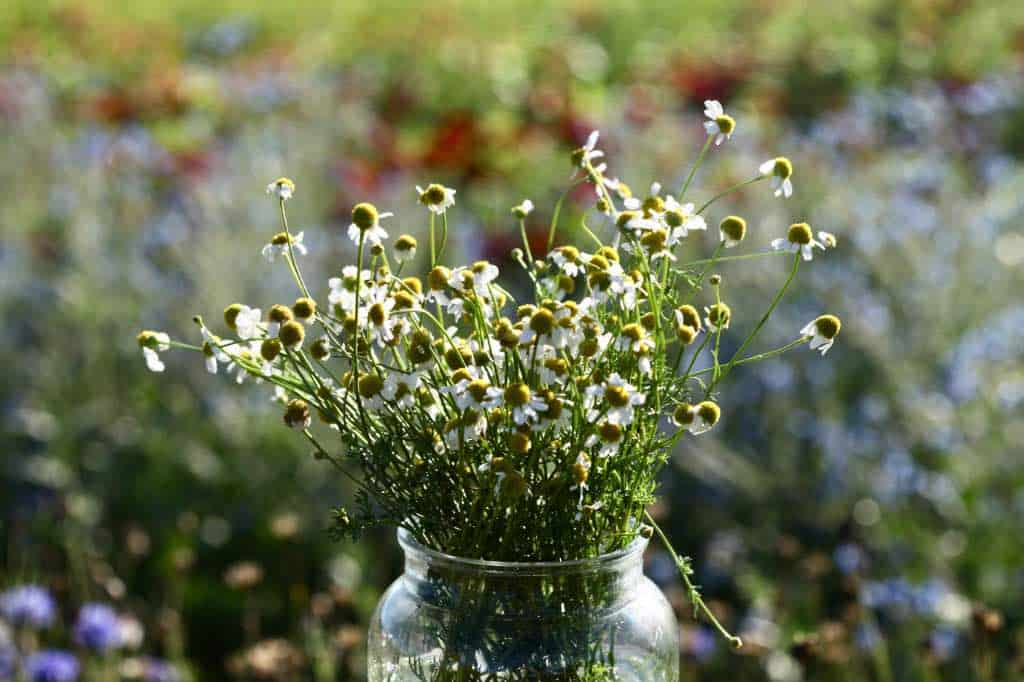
{"x": 681, "y": 219}
{"x": 827, "y": 239}
{"x": 278, "y": 246}
{"x": 378, "y": 315}
{"x": 343, "y": 289}
{"x": 401, "y": 389}
{"x": 567, "y": 259}
{"x": 588, "y": 152}
{"x": 633, "y": 337}
{"x": 366, "y": 224}
{"x": 580, "y": 474}
{"x": 781, "y": 170}
{"x": 246, "y": 321}
{"x": 405, "y": 248}
{"x": 721, "y": 125}
{"x": 212, "y": 350}
{"x": 522, "y": 210}
{"x": 526, "y": 406}
{"x": 717, "y": 316}
{"x": 437, "y": 198}
{"x": 619, "y": 395}
{"x": 823, "y": 331}
{"x": 799, "y": 239}
{"x": 247, "y": 352}
{"x": 609, "y": 436}
{"x": 282, "y": 188}
{"x": 152, "y": 344}
{"x": 470, "y": 427}
{"x": 697, "y": 418}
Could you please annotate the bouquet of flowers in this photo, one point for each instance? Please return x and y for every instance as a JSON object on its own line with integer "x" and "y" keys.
{"x": 504, "y": 427}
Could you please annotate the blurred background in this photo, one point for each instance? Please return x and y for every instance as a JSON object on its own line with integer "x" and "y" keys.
{"x": 854, "y": 518}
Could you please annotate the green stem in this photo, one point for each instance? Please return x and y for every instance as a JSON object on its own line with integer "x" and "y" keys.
{"x": 291, "y": 255}
{"x": 693, "y": 169}
{"x": 729, "y": 190}
{"x": 685, "y": 571}
{"x": 750, "y": 338}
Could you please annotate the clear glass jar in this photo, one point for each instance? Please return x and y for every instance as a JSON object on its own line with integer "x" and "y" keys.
{"x": 592, "y": 620}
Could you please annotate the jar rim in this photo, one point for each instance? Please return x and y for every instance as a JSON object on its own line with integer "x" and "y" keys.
{"x": 410, "y": 544}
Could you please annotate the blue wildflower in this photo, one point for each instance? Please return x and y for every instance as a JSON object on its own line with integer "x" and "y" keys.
{"x": 160, "y": 671}
{"x": 52, "y": 666}
{"x": 29, "y": 605}
{"x": 98, "y": 628}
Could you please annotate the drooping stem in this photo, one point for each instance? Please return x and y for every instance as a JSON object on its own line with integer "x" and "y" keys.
{"x": 686, "y": 571}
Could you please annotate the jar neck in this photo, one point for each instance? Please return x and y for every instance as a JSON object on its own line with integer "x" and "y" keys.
{"x": 508, "y": 589}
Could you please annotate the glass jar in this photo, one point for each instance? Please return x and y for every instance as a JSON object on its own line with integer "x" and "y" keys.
{"x": 448, "y": 618}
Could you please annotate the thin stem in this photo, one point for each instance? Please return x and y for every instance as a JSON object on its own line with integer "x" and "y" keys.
{"x": 729, "y": 190}
{"x": 291, "y": 255}
{"x": 750, "y": 338}
{"x": 526, "y": 241}
{"x": 693, "y": 169}
{"x": 726, "y": 259}
{"x": 433, "y": 249}
{"x": 760, "y": 356}
{"x": 685, "y": 571}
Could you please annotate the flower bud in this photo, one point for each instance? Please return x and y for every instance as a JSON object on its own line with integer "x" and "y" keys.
{"x": 270, "y": 349}
{"x": 296, "y": 414}
{"x": 292, "y": 334}
{"x": 321, "y": 349}
{"x": 231, "y": 314}
{"x": 304, "y": 308}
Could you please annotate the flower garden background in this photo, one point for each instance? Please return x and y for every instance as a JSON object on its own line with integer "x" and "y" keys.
{"x": 873, "y": 534}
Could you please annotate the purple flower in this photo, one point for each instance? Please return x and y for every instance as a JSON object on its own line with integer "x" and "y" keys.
{"x": 8, "y": 661}
{"x": 98, "y": 628}
{"x": 29, "y": 605}
{"x": 52, "y": 666}
{"x": 160, "y": 671}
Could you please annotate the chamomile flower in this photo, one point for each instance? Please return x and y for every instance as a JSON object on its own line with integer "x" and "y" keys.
{"x": 437, "y": 198}
{"x": 580, "y": 474}
{"x": 717, "y": 316}
{"x": 370, "y": 389}
{"x": 437, "y": 285}
{"x": 522, "y": 210}
{"x": 539, "y": 327}
{"x": 619, "y": 396}
{"x": 378, "y": 315}
{"x": 823, "y": 331}
{"x": 706, "y": 415}
{"x": 469, "y": 427}
{"x": 799, "y": 239}
{"x": 366, "y": 224}
{"x": 152, "y": 344}
{"x": 696, "y": 418}
{"x": 732, "y": 230}
{"x": 827, "y": 239}
{"x": 588, "y": 152}
{"x": 720, "y": 125}
{"x": 567, "y": 259}
{"x": 608, "y": 436}
{"x": 343, "y": 289}
{"x": 297, "y": 415}
{"x": 405, "y": 248}
{"x": 633, "y": 337}
{"x": 278, "y": 246}
{"x": 681, "y": 219}
{"x": 525, "y": 405}
{"x": 781, "y": 170}
{"x": 400, "y": 389}
{"x": 211, "y": 349}
{"x": 282, "y": 188}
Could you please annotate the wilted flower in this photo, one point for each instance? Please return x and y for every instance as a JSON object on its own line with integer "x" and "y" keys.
{"x": 405, "y": 248}
{"x": 283, "y": 188}
{"x": 823, "y": 331}
{"x": 781, "y": 170}
{"x": 152, "y": 343}
{"x": 720, "y": 125}
{"x": 278, "y": 246}
{"x": 522, "y": 210}
{"x": 588, "y": 152}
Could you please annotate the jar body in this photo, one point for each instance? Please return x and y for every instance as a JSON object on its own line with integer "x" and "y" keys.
{"x": 588, "y": 621}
